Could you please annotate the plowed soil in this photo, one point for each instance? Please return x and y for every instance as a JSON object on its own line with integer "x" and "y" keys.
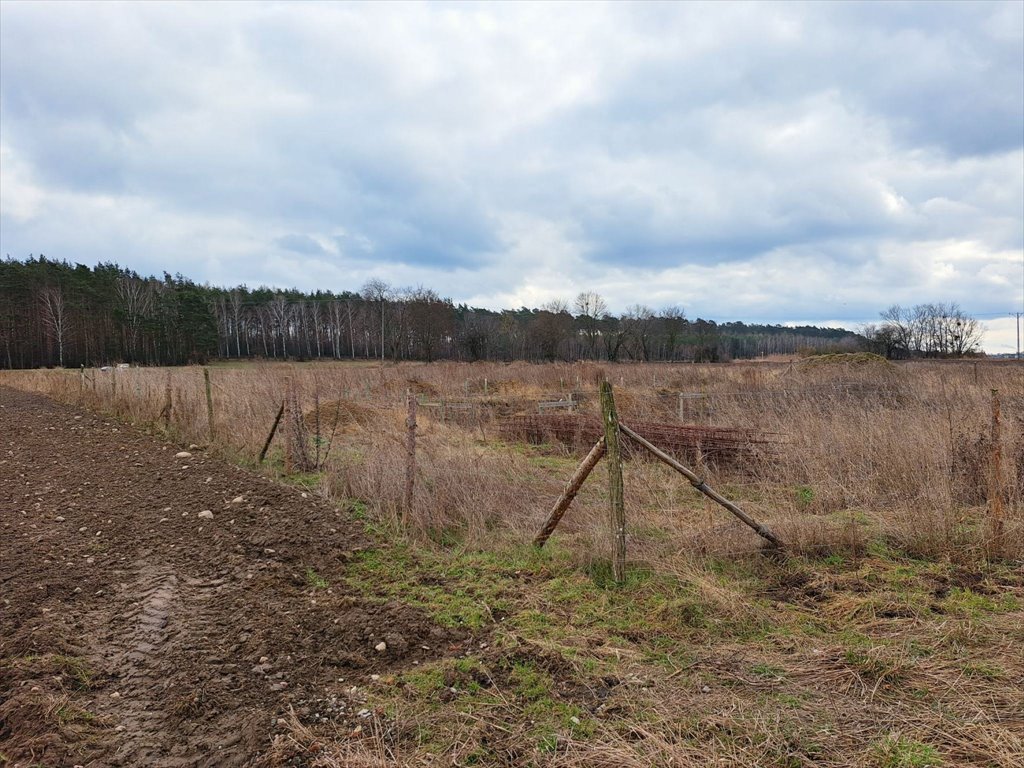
{"x": 134, "y": 631}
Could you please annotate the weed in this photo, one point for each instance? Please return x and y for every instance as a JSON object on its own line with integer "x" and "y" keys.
{"x": 804, "y": 496}
{"x": 76, "y": 668}
{"x": 966, "y": 602}
{"x": 315, "y": 580}
{"x": 68, "y": 715}
{"x": 984, "y": 669}
{"x": 768, "y": 671}
{"x": 898, "y": 752}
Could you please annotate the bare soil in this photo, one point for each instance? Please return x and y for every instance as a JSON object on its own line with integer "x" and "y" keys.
{"x": 134, "y": 632}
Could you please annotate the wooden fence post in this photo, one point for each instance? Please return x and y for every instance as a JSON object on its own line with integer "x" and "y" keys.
{"x": 81, "y": 383}
{"x": 273, "y": 429}
{"x": 113, "y": 387}
{"x": 569, "y": 493}
{"x": 995, "y": 493}
{"x": 209, "y": 401}
{"x": 760, "y": 528}
{"x": 165, "y": 412}
{"x": 616, "y": 502}
{"x": 410, "y": 456}
{"x": 288, "y": 431}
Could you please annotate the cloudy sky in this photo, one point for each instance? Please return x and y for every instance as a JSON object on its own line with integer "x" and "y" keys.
{"x": 768, "y": 162}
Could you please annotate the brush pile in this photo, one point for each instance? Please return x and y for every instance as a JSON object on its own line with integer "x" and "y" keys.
{"x": 717, "y": 445}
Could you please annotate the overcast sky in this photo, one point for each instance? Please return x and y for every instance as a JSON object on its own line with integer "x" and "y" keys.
{"x": 768, "y": 162}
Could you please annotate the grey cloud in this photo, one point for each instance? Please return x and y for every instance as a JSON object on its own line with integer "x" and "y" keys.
{"x": 299, "y": 244}
{"x": 682, "y": 140}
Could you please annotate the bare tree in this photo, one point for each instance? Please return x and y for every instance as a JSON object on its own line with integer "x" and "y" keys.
{"x": 431, "y": 321}
{"x": 337, "y": 325}
{"x": 550, "y": 328}
{"x": 136, "y": 297}
{"x": 280, "y": 317}
{"x": 639, "y": 324}
{"x": 673, "y": 322}
{"x": 929, "y": 330}
{"x": 378, "y": 290}
{"x": 590, "y": 310}
{"x": 51, "y": 299}
{"x": 235, "y": 299}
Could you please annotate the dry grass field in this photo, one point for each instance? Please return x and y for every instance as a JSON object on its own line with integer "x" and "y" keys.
{"x": 887, "y": 633}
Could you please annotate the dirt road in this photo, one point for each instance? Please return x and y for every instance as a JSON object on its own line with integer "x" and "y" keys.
{"x": 167, "y": 610}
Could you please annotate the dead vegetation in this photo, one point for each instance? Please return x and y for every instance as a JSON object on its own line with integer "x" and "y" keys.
{"x": 889, "y": 636}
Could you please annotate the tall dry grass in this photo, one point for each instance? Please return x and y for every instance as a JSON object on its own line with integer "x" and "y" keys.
{"x": 867, "y": 451}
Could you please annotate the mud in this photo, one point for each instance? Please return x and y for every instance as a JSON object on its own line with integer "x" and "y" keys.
{"x": 135, "y": 633}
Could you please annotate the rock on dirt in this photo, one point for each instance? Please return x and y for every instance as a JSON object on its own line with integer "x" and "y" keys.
{"x": 183, "y": 455}
{"x": 170, "y": 620}
{"x": 206, "y": 515}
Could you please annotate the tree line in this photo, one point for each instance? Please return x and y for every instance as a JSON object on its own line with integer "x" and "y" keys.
{"x": 53, "y": 313}
{"x": 925, "y": 330}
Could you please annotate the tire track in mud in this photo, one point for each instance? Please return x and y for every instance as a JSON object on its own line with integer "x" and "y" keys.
{"x": 140, "y": 712}
{"x": 134, "y": 633}
{"x": 152, "y": 701}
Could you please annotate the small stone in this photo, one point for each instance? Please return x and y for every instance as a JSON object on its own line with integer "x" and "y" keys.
{"x": 59, "y": 519}
{"x": 375, "y": 677}
{"x": 238, "y": 500}
{"x": 183, "y": 455}
{"x": 206, "y": 514}
{"x": 83, "y": 529}
{"x": 705, "y": 689}
{"x": 115, "y": 695}
{"x": 163, "y": 519}
{"x": 305, "y": 495}
{"x": 193, "y": 447}
{"x": 380, "y": 647}
{"x": 575, "y": 720}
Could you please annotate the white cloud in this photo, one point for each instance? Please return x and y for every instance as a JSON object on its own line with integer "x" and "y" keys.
{"x": 756, "y": 161}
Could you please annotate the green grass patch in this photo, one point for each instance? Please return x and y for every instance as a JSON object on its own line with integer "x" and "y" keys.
{"x": 315, "y": 580}
{"x": 898, "y": 752}
{"x": 467, "y": 589}
{"x": 306, "y": 480}
{"x": 966, "y": 602}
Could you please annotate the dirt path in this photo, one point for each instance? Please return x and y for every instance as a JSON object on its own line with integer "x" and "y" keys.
{"x": 135, "y": 632}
